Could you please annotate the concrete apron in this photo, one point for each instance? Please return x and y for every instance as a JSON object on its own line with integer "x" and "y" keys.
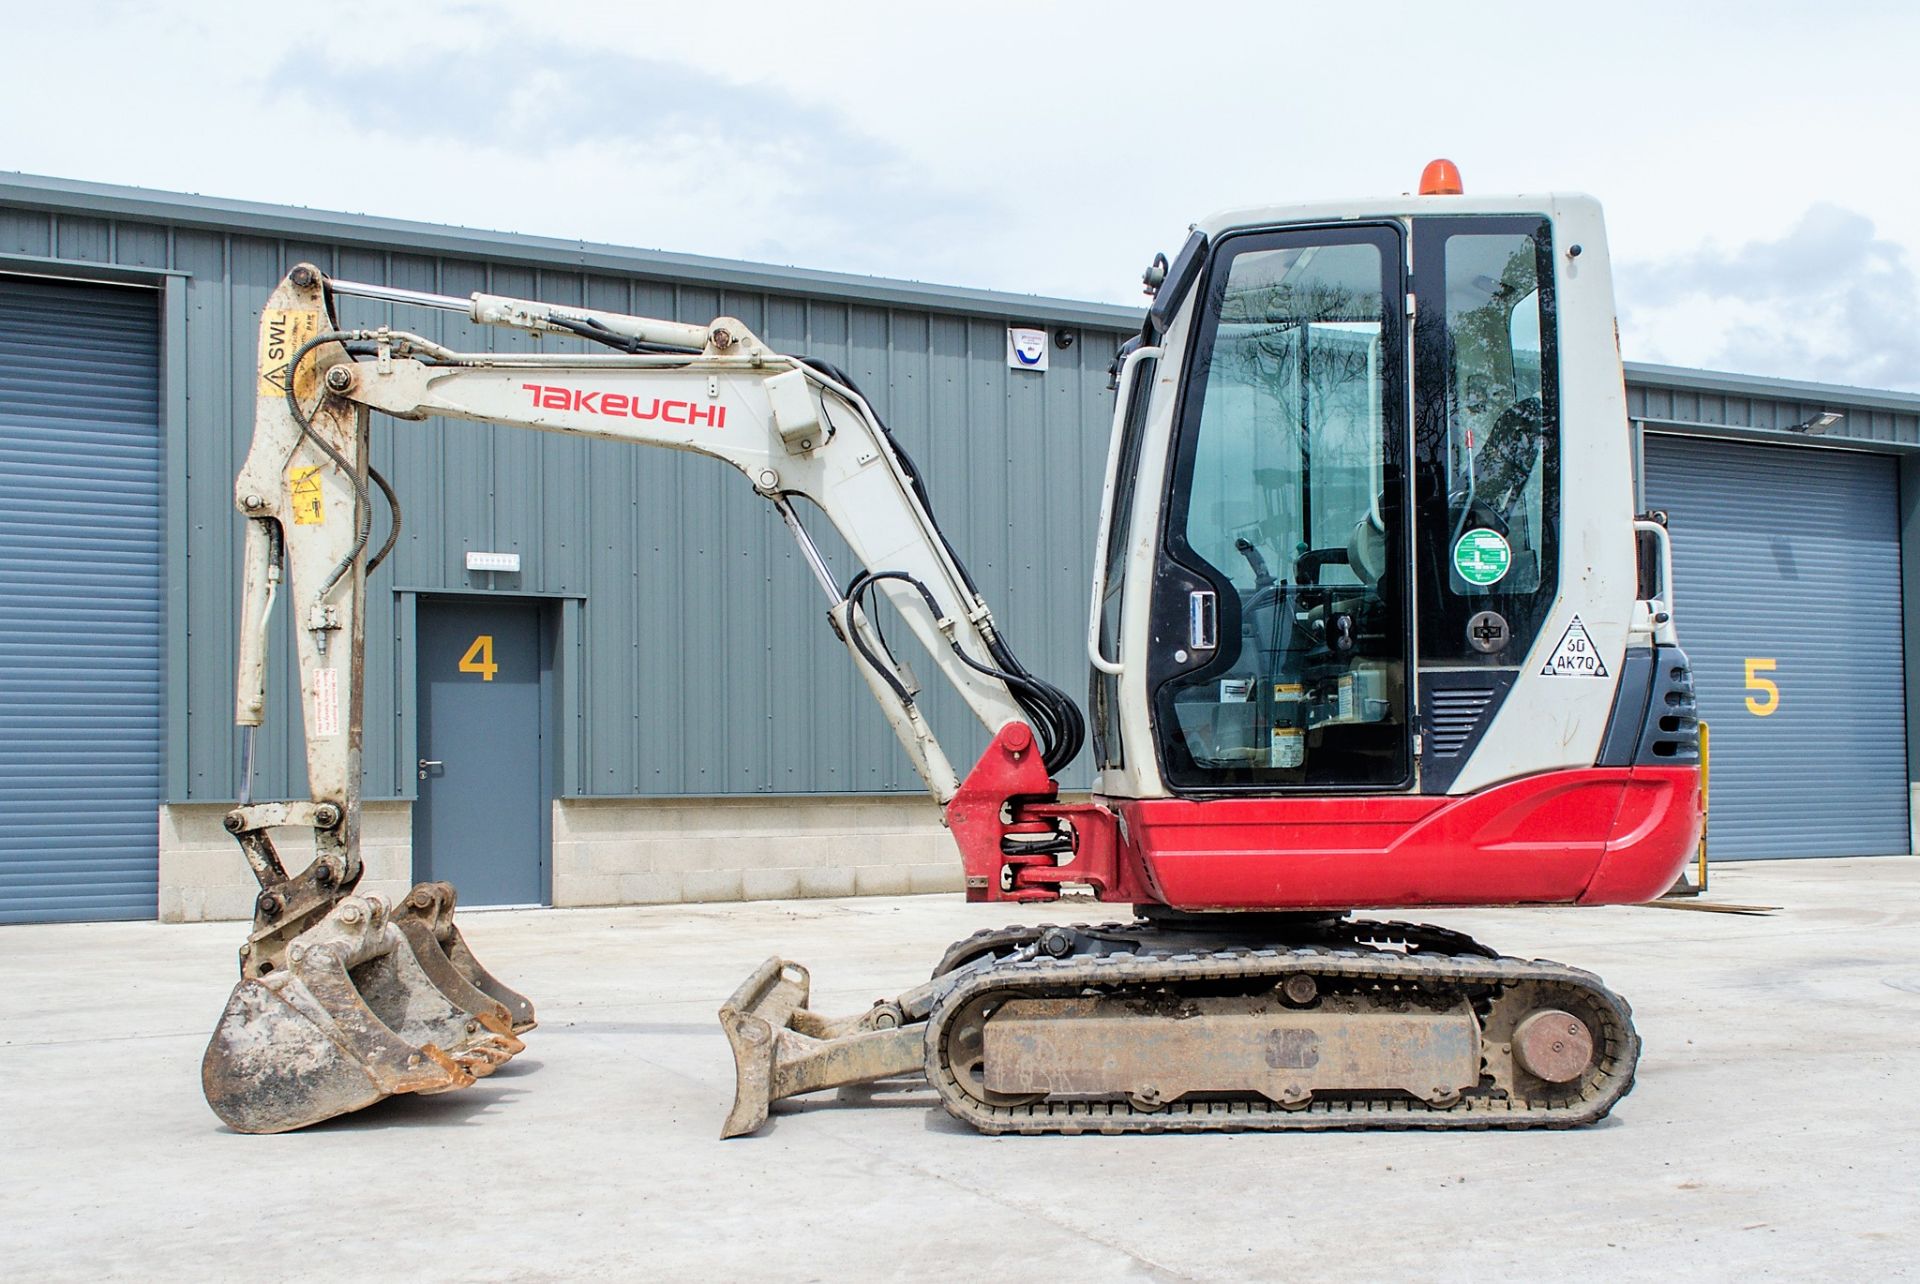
{"x": 1771, "y": 1132}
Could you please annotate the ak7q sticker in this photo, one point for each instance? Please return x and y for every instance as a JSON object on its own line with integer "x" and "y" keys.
{"x": 1575, "y": 656}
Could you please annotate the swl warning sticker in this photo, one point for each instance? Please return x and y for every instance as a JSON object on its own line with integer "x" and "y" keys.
{"x": 282, "y": 331}
{"x": 1575, "y": 656}
{"x": 326, "y": 702}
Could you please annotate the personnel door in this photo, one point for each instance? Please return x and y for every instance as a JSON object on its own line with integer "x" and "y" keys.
{"x": 485, "y": 671}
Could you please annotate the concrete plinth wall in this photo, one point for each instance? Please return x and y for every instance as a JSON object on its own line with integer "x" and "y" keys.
{"x": 203, "y": 875}
{"x": 634, "y": 851}
{"x": 614, "y": 851}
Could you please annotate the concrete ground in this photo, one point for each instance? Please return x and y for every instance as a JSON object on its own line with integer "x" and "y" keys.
{"x": 1774, "y": 1132}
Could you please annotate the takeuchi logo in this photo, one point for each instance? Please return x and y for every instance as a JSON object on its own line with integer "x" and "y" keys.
{"x": 621, "y": 405}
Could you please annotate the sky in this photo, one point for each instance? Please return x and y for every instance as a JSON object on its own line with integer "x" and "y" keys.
{"x": 1756, "y": 160}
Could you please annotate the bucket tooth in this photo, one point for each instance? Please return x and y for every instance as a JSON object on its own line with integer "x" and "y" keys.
{"x": 353, "y": 1017}
{"x": 782, "y": 1049}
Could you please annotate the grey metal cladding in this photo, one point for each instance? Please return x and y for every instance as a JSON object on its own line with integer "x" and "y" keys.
{"x": 704, "y": 662}
{"x": 80, "y": 601}
{"x": 1715, "y": 400}
{"x": 1791, "y": 556}
{"x": 700, "y": 659}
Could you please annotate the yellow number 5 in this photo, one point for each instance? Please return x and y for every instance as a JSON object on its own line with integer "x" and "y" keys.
{"x": 479, "y": 659}
{"x": 1769, "y": 699}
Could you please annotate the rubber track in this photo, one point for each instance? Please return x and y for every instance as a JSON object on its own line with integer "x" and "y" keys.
{"x": 1610, "y": 1079}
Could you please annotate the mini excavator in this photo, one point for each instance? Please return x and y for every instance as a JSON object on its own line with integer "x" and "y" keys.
{"x": 1373, "y": 626}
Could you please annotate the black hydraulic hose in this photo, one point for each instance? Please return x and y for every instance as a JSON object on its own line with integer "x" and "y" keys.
{"x": 393, "y": 506}
{"x": 598, "y": 333}
{"x": 1056, "y": 720}
{"x": 885, "y": 670}
{"x": 362, "y": 505}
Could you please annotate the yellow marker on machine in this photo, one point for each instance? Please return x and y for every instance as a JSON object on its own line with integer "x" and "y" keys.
{"x": 303, "y": 488}
{"x": 282, "y": 331}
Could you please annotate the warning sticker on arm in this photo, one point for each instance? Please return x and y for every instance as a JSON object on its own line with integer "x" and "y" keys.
{"x": 282, "y": 331}
{"x": 326, "y": 702}
{"x": 309, "y": 501}
{"x": 1575, "y": 656}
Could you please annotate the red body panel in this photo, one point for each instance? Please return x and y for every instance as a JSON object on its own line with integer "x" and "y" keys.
{"x": 1592, "y": 836}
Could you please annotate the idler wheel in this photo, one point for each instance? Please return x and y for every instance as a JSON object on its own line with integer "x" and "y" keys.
{"x": 1553, "y": 1045}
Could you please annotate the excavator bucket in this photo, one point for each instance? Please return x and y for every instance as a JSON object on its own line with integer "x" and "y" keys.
{"x": 366, "y": 1005}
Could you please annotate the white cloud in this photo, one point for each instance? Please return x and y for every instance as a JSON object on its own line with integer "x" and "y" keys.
{"x": 565, "y": 140}
{"x": 1044, "y": 148}
{"x": 1831, "y": 300}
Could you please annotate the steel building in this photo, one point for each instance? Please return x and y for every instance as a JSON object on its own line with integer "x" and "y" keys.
{"x": 672, "y": 720}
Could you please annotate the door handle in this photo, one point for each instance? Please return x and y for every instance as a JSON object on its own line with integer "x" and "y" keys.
{"x": 429, "y": 762}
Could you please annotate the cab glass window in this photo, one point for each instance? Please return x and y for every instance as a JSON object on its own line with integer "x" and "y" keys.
{"x": 1487, "y": 436}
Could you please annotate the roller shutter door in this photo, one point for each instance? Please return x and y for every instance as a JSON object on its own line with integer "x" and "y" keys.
{"x": 80, "y": 577}
{"x": 1791, "y": 555}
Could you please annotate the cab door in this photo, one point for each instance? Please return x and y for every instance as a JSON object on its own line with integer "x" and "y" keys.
{"x": 1280, "y": 642}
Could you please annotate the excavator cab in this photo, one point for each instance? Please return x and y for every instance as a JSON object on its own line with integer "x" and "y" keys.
{"x": 1367, "y": 581}
{"x": 1342, "y": 462}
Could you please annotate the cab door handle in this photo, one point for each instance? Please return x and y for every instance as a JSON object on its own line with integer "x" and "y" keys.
{"x": 429, "y": 762}
{"x": 1203, "y": 620}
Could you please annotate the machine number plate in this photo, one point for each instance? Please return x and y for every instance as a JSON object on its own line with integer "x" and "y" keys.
{"x": 1575, "y": 656}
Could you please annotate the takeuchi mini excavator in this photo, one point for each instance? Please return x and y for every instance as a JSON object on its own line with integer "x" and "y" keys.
{"x": 1373, "y": 626}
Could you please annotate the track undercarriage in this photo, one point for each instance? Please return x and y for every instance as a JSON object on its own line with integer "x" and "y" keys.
{"x": 1209, "y": 1023}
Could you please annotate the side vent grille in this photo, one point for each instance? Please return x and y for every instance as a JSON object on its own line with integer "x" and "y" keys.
{"x": 1672, "y": 733}
{"x": 1452, "y": 718}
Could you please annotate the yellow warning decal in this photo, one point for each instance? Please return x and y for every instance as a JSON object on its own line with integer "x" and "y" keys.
{"x": 282, "y": 331}
{"x": 303, "y": 486}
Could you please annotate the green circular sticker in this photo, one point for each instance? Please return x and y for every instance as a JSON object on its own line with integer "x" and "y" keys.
{"x": 1482, "y": 556}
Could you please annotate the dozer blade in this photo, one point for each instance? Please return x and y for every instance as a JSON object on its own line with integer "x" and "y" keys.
{"x": 781, "y": 1048}
{"x": 354, "y": 1015}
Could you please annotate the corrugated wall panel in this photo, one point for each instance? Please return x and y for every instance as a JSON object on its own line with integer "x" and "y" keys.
{"x": 702, "y": 639}
{"x": 1690, "y": 406}
{"x": 1791, "y": 556}
{"x": 80, "y": 601}
{"x": 707, "y": 664}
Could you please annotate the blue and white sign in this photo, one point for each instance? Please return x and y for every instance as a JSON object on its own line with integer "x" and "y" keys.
{"x": 1026, "y": 349}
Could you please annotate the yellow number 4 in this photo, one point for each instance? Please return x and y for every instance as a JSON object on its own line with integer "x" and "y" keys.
{"x": 479, "y": 659}
{"x": 1770, "y": 694}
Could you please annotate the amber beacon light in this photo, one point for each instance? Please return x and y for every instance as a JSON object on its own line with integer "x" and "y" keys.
{"x": 1440, "y": 178}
